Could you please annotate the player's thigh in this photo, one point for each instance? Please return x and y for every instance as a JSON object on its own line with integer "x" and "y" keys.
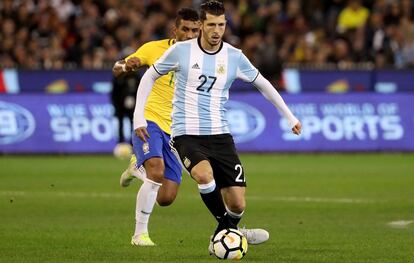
{"x": 227, "y": 167}
{"x": 155, "y": 168}
{"x": 172, "y": 175}
{"x": 234, "y": 199}
{"x": 173, "y": 168}
{"x": 191, "y": 152}
{"x": 150, "y": 149}
{"x": 202, "y": 172}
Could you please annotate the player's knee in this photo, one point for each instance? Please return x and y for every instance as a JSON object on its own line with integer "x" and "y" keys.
{"x": 155, "y": 169}
{"x": 166, "y": 199}
{"x": 203, "y": 174}
{"x": 203, "y": 177}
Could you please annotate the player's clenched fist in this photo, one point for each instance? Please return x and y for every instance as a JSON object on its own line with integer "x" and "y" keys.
{"x": 297, "y": 129}
{"x": 132, "y": 64}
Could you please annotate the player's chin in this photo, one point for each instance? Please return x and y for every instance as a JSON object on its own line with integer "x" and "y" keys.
{"x": 215, "y": 41}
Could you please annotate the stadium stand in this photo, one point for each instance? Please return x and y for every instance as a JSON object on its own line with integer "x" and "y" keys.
{"x": 91, "y": 34}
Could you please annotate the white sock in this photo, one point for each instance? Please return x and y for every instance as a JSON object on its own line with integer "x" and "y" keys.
{"x": 139, "y": 172}
{"x": 234, "y": 214}
{"x": 146, "y": 198}
{"x": 235, "y": 217}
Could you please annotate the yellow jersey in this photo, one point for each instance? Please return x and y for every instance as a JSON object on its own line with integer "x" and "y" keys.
{"x": 159, "y": 104}
{"x": 350, "y": 18}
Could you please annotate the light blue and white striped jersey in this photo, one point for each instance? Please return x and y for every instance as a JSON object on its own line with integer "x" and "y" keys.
{"x": 202, "y": 82}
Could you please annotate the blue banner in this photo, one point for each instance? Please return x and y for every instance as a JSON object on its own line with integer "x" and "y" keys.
{"x": 354, "y": 122}
{"x": 14, "y": 81}
{"x": 85, "y": 124}
{"x": 57, "y": 124}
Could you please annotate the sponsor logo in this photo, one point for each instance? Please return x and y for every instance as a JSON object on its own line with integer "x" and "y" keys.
{"x": 346, "y": 122}
{"x": 195, "y": 66}
{"x": 221, "y": 69}
{"x": 16, "y": 123}
{"x": 187, "y": 162}
{"x": 245, "y": 121}
{"x": 145, "y": 148}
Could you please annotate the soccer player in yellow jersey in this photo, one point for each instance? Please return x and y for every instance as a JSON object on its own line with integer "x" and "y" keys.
{"x": 155, "y": 164}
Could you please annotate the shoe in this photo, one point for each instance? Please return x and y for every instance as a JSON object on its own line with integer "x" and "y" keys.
{"x": 132, "y": 171}
{"x": 211, "y": 247}
{"x": 255, "y": 236}
{"x": 142, "y": 240}
{"x": 126, "y": 178}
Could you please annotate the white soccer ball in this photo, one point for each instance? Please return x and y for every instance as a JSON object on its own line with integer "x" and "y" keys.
{"x": 123, "y": 151}
{"x": 230, "y": 244}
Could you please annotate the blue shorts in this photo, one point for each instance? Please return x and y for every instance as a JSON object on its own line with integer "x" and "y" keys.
{"x": 157, "y": 146}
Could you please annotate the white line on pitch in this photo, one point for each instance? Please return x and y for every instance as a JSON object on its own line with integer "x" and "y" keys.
{"x": 296, "y": 199}
{"x": 400, "y": 223}
{"x": 312, "y": 199}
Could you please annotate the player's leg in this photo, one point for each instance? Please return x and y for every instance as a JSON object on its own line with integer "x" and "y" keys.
{"x": 231, "y": 179}
{"x": 235, "y": 202}
{"x": 172, "y": 175}
{"x": 150, "y": 155}
{"x": 193, "y": 154}
{"x": 167, "y": 192}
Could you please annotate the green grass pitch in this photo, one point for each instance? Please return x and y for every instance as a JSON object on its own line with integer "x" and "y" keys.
{"x": 317, "y": 207}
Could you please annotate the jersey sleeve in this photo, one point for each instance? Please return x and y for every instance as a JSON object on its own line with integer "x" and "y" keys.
{"x": 245, "y": 70}
{"x": 142, "y": 53}
{"x": 169, "y": 61}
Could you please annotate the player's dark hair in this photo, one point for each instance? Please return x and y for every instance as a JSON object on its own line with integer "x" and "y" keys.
{"x": 187, "y": 14}
{"x": 211, "y": 7}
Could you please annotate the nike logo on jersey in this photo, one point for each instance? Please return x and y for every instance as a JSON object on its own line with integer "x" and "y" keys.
{"x": 196, "y": 66}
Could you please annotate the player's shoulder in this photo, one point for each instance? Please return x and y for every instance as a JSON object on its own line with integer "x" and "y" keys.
{"x": 163, "y": 43}
{"x": 181, "y": 46}
{"x": 231, "y": 48}
{"x": 185, "y": 42}
{"x": 234, "y": 53}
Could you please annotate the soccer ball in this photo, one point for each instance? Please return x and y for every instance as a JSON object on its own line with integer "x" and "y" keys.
{"x": 123, "y": 151}
{"x": 230, "y": 244}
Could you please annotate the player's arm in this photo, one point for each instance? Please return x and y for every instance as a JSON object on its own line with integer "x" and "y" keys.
{"x": 247, "y": 72}
{"x": 126, "y": 65}
{"x": 144, "y": 89}
{"x": 270, "y": 93}
{"x": 168, "y": 62}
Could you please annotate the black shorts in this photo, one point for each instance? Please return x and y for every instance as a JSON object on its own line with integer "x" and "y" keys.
{"x": 219, "y": 150}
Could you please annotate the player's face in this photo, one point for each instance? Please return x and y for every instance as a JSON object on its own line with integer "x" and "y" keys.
{"x": 187, "y": 30}
{"x": 213, "y": 29}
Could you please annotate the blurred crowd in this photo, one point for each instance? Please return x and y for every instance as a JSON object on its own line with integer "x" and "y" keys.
{"x": 92, "y": 34}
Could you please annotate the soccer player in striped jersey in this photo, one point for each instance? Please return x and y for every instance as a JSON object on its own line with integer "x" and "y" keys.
{"x": 162, "y": 172}
{"x": 204, "y": 71}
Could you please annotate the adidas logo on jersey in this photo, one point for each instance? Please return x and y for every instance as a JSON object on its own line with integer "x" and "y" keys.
{"x": 195, "y": 66}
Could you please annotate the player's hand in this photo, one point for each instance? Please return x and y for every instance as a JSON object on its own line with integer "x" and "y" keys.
{"x": 142, "y": 133}
{"x": 297, "y": 129}
{"x": 132, "y": 64}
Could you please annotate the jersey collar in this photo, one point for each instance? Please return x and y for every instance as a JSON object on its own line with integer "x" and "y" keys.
{"x": 205, "y": 51}
{"x": 172, "y": 41}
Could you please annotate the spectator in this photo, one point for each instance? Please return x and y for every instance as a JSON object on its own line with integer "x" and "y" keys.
{"x": 353, "y": 16}
{"x": 92, "y": 34}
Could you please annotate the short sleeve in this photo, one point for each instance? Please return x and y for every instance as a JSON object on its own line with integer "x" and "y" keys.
{"x": 142, "y": 53}
{"x": 245, "y": 70}
{"x": 169, "y": 61}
